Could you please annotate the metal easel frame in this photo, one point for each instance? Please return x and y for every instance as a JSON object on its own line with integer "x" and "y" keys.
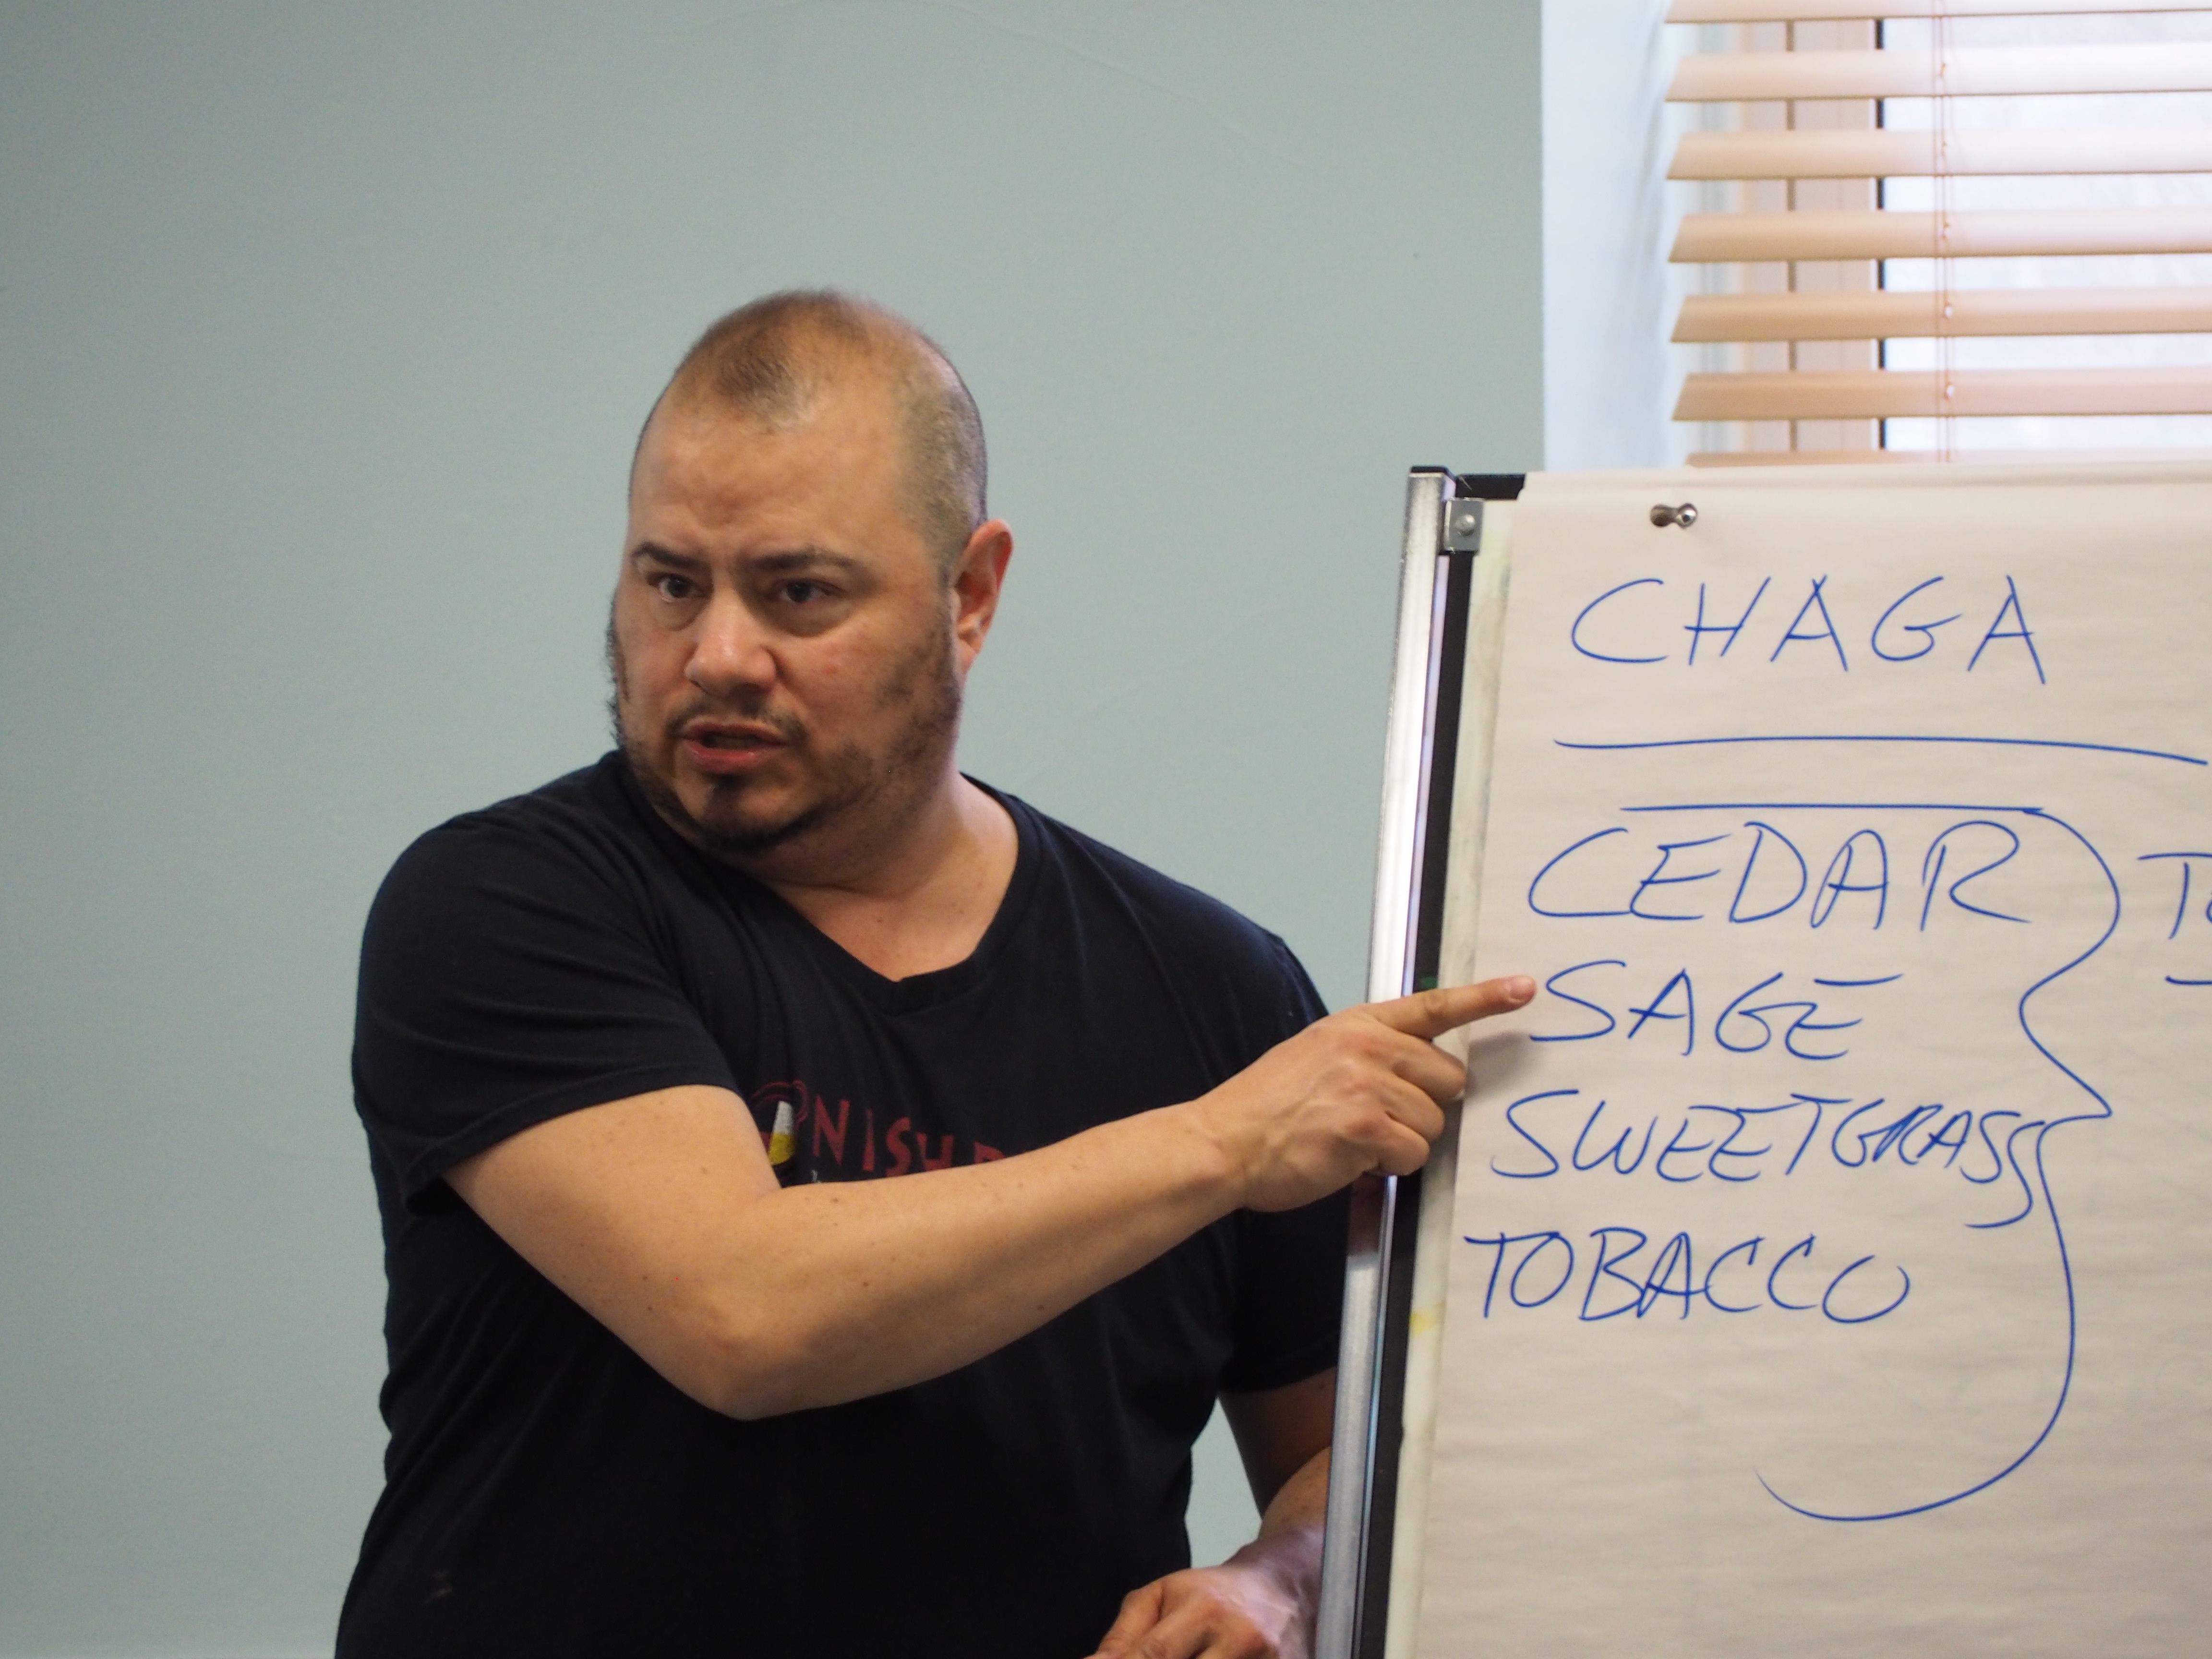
{"x": 1444, "y": 537}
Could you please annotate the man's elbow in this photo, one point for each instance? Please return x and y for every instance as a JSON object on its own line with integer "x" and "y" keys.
{"x": 749, "y": 1373}
{"x": 749, "y": 1399}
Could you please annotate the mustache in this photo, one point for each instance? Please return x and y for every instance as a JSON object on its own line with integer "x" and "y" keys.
{"x": 787, "y": 727}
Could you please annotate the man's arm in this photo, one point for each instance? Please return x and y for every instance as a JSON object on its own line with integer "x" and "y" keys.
{"x": 1260, "y": 1603}
{"x": 660, "y": 1216}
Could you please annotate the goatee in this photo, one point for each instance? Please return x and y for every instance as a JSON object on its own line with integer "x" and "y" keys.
{"x": 851, "y": 785}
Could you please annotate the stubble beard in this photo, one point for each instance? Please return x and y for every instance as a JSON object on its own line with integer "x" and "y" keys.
{"x": 858, "y": 798}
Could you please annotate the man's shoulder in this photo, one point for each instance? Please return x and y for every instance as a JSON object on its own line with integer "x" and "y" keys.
{"x": 578, "y": 826}
{"x": 588, "y": 795}
{"x": 1205, "y": 933}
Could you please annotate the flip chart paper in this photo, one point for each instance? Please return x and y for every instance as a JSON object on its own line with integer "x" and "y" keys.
{"x": 1831, "y": 1258}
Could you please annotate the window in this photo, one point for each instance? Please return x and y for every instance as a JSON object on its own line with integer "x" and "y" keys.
{"x": 1979, "y": 230}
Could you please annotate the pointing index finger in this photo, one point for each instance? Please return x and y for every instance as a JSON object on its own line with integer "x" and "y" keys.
{"x": 1432, "y": 1013}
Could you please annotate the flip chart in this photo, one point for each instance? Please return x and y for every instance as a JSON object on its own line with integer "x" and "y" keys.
{"x": 1830, "y": 1270}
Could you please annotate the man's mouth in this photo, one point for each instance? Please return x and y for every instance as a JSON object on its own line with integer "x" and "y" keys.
{"x": 728, "y": 748}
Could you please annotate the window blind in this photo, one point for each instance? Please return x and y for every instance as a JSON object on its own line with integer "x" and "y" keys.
{"x": 1925, "y": 218}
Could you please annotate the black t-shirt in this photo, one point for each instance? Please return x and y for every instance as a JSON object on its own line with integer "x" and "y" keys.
{"x": 548, "y": 1494}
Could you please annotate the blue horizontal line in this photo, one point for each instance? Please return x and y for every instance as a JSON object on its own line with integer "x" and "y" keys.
{"x": 2015, "y": 743}
{"x": 2171, "y": 980}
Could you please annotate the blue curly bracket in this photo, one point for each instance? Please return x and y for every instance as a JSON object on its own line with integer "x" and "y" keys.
{"x": 2043, "y": 1179}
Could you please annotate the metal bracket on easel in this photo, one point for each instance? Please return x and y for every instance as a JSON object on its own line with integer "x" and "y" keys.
{"x": 1463, "y": 527}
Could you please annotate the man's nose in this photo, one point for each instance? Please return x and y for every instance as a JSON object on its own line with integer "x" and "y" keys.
{"x": 730, "y": 650}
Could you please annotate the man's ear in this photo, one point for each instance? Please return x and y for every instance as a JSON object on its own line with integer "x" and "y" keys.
{"x": 978, "y": 575}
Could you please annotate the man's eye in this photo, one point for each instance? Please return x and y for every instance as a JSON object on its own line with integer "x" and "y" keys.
{"x": 674, "y": 588}
{"x": 802, "y": 593}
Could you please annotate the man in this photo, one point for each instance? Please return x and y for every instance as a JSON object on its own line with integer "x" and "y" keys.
{"x": 671, "y": 1374}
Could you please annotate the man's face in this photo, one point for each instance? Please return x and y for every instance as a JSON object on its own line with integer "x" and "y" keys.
{"x": 786, "y": 650}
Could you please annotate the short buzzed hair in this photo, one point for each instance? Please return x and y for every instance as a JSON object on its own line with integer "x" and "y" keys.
{"x": 769, "y": 360}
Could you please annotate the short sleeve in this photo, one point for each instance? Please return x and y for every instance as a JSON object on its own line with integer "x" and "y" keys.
{"x": 1290, "y": 1305}
{"x": 1290, "y": 1300}
{"x": 508, "y": 976}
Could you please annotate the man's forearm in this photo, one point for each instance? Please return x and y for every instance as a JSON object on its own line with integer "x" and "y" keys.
{"x": 1289, "y": 1544}
{"x": 661, "y": 1218}
{"x": 1302, "y": 1502}
{"x": 835, "y": 1290}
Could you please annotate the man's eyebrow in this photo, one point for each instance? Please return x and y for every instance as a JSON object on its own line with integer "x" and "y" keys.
{"x": 779, "y": 563}
{"x": 803, "y": 558}
{"x": 660, "y": 554}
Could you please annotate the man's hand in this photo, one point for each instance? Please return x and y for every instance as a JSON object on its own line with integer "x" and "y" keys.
{"x": 1260, "y": 1603}
{"x": 1358, "y": 1093}
{"x": 1241, "y": 1609}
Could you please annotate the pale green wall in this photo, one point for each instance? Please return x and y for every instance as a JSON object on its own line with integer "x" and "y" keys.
{"x": 324, "y": 333}
{"x": 1610, "y": 377}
